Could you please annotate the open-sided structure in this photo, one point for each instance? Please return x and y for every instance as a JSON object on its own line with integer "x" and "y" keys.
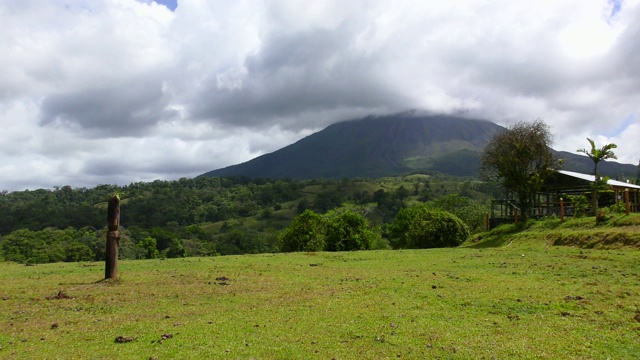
{"x": 565, "y": 185}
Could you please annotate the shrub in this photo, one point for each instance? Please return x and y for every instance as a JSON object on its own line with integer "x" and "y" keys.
{"x": 466, "y": 209}
{"x": 580, "y": 204}
{"x": 148, "y": 248}
{"x": 419, "y": 227}
{"x": 77, "y": 251}
{"x": 348, "y": 231}
{"x": 305, "y": 233}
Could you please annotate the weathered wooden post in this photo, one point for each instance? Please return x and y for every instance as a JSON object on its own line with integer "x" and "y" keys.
{"x": 561, "y": 210}
{"x": 113, "y": 238}
{"x": 626, "y": 201}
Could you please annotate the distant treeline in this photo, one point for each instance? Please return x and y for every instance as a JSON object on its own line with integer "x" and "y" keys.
{"x": 194, "y": 217}
{"x": 184, "y": 201}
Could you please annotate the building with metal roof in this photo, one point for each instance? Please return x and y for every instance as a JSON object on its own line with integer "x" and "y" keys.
{"x": 566, "y": 186}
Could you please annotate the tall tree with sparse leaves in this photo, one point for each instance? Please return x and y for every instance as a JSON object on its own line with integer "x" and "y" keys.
{"x": 520, "y": 159}
{"x": 598, "y": 155}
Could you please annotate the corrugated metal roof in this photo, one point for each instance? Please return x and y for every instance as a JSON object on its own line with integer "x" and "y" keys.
{"x": 591, "y": 178}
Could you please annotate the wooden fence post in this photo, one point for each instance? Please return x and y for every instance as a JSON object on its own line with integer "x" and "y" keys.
{"x": 113, "y": 238}
{"x": 626, "y": 201}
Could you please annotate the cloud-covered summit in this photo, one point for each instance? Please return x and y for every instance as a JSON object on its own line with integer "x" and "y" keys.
{"x": 116, "y": 91}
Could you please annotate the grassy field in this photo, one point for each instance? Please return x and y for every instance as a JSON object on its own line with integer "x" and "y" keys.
{"x": 524, "y": 299}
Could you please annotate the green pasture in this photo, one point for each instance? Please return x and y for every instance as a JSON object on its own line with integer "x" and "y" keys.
{"x": 525, "y": 300}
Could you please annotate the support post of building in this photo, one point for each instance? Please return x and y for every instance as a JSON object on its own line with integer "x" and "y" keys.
{"x": 561, "y": 210}
{"x": 626, "y": 201}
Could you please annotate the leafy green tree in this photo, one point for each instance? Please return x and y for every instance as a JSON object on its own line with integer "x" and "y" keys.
{"x": 520, "y": 159}
{"x": 597, "y": 155}
{"x": 23, "y": 246}
{"x": 470, "y": 212}
{"x": 348, "y": 231}
{"x": 242, "y": 241}
{"x": 580, "y": 204}
{"x": 148, "y": 247}
{"x": 94, "y": 242}
{"x": 175, "y": 249}
{"x": 388, "y": 204}
{"x": 419, "y": 227}
{"x": 398, "y": 229}
{"x": 401, "y": 193}
{"x": 436, "y": 228}
{"x": 195, "y": 247}
{"x": 305, "y": 233}
{"x": 78, "y": 251}
{"x": 328, "y": 200}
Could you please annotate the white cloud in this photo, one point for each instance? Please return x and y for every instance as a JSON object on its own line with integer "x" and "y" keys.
{"x": 121, "y": 90}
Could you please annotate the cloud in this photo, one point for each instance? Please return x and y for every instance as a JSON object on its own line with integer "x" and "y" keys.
{"x": 295, "y": 74}
{"x": 117, "y": 91}
{"x": 132, "y": 108}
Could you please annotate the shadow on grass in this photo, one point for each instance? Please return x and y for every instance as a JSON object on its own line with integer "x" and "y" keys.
{"x": 496, "y": 237}
{"x": 493, "y": 241}
{"x": 89, "y": 283}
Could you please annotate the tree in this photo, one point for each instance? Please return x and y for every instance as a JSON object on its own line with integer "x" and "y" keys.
{"x": 598, "y": 155}
{"x": 520, "y": 159}
{"x": 419, "y": 227}
{"x": 78, "y": 251}
{"x": 348, "y": 231}
{"x": 148, "y": 248}
{"x": 305, "y": 233}
{"x": 470, "y": 212}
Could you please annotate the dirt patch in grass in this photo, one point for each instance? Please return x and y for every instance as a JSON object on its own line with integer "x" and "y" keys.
{"x": 59, "y": 296}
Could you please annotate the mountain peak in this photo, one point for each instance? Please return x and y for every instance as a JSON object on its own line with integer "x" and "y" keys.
{"x": 375, "y": 146}
{"x": 378, "y": 146}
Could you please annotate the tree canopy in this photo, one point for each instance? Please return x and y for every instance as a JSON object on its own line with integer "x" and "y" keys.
{"x": 520, "y": 158}
{"x": 215, "y": 216}
{"x": 421, "y": 227}
{"x": 598, "y": 155}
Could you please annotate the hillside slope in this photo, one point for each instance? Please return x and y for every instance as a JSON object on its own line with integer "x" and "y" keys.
{"x": 375, "y": 147}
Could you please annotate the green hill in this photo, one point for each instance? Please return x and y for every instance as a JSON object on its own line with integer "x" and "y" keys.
{"x": 392, "y": 145}
{"x": 375, "y": 147}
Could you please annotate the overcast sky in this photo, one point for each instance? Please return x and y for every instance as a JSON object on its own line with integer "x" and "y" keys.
{"x": 119, "y": 91}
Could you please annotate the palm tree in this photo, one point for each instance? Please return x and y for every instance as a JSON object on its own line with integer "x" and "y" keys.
{"x": 597, "y": 155}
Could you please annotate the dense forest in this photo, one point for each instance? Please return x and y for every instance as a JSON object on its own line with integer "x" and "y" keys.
{"x": 208, "y": 216}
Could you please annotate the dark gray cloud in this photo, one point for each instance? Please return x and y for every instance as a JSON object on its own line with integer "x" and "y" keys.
{"x": 293, "y": 74}
{"x": 127, "y": 109}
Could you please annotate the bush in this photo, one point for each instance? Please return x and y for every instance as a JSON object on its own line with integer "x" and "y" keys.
{"x": 77, "y": 251}
{"x": 348, "y": 231}
{"x": 305, "y": 233}
{"x": 466, "y": 209}
{"x": 580, "y": 204}
{"x": 419, "y": 227}
{"x": 148, "y": 248}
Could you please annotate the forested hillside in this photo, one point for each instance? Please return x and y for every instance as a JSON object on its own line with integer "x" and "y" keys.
{"x": 199, "y": 217}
